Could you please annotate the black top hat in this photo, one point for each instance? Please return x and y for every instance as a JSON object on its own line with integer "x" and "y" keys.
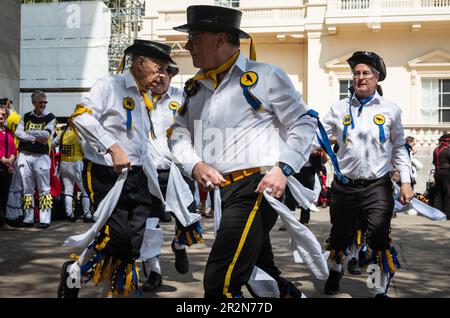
{"x": 213, "y": 18}
{"x": 150, "y": 49}
{"x": 370, "y": 58}
{"x": 173, "y": 70}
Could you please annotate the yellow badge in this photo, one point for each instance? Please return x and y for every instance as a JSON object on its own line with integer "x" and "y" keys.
{"x": 128, "y": 103}
{"x": 379, "y": 119}
{"x": 174, "y": 106}
{"x": 347, "y": 120}
{"x": 249, "y": 79}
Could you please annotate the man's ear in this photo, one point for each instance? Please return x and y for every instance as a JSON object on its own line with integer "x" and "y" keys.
{"x": 221, "y": 39}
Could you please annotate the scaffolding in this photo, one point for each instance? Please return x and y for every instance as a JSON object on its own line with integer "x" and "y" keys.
{"x": 127, "y": 18}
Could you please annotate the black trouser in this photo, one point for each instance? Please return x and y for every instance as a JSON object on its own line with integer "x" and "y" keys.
{"x": 127, "y": 221}
{"x": 349, "y": 203}
{"x": 306, "y": 177}
{"x": 242, "y": 240}
{"x": 442, "y": 199}
{"x": 158, "y": 208}
{"x": 5, "y": 184}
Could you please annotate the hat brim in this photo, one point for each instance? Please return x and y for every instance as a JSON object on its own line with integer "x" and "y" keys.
{"x": 151, "y": 51}
{"x": 211, "y": 27}
{"x": 364, "y": 59}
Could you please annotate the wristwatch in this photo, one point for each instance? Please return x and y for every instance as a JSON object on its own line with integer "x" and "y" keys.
{"x": 287, "y": 170}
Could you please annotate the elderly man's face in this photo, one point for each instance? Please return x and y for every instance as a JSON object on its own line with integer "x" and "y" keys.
{"x": 162, "y": 84}
{"x": 152, "y": 71}
{"x": 202, "y": 46}
{"x": 39, "y": 105}
{"x": 364, "y": 80}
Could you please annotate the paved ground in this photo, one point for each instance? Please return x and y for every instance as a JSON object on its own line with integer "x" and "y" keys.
{"x": 30, "y": 261}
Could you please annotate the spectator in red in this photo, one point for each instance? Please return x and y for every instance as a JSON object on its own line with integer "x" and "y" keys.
{"x": 8, "y": 154}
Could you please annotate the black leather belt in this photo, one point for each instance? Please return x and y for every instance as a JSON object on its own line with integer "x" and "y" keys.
{"x": 362, "y": 182}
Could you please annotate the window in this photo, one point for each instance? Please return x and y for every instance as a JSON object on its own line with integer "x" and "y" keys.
{"x": 227, "y": 3}
{"x": 343, "y": 88}
{"x": 435, "y": 100}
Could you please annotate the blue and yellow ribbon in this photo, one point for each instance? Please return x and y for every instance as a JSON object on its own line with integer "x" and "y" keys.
{"x": 346, "y": 121}
{"x": 379, "y": 120}
{"x": 325, "y": 144}
{"x": 248, "y": 80}
{"x": 128, "y": 104}
{"x": 174, "y": 106}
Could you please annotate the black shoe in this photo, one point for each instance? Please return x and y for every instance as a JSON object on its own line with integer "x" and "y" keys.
{"x": 23, "y": 224}
{"x": 362, "y": 259}
{"x": 381, "y": 296}
{"x": 353, "y": 267}
{"x": 64, "y": 291}
{"x": 42, "y": 225}
{"x": 153, "y": 282}
{"x": 332, "y": 284}
{"x": 288, "y": 289}
{"x": 181, "y": 259}
{"x": 165, "y": 217}
{"x": 71, "y": 218}
{"x": 14, "y": 223}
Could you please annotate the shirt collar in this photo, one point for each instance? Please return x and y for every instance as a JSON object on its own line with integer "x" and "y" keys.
{"x": 375, "y": 100}
{"x": 241, "y": 63}
{"x": 129, "y": 80}
{"x": 44, "y": 113}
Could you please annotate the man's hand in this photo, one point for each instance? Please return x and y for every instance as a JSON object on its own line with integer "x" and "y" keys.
{"x": 406, "y": 193}
{"x": 206, "y": 176}
{"x": 274, "y": 180}
{"x": 41, "y": 140}
{"x": 119, "y": 158}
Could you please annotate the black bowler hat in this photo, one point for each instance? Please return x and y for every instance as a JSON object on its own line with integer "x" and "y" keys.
{"x": 213, "y": 18}
{"x": 150, "y": 49}
{"x": 371, "y": 59}
{"x": 5, "y": 101}
{"x": 173, "y": 70}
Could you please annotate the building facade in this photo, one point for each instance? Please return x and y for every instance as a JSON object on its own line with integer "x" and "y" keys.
{"x": 10, "y": 50}
{"x": 311, "y": 41}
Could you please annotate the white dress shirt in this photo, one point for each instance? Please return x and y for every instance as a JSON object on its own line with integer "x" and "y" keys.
{"x": 162, "y": 118}
{"x": 364, "y": 156}
{"x": 230, "y": 135}
{"x": 107, "y": 126}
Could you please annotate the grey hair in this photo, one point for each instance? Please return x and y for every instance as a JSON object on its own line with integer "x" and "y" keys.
{"x": 37, "y": 94}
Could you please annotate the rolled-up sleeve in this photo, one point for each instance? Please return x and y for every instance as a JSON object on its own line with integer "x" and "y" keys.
{"x": 400, "y": 156}
{"x": 288, "y": 106}
{"x": 88, "y": 124}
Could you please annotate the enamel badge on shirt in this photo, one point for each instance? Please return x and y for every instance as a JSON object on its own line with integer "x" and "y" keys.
{"x": 173, "y": 106}
{"x": 249, "y": 79}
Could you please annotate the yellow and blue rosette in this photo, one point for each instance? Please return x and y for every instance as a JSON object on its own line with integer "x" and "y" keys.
{"x": 128, "y": 104}
{"x": 174, "y": 106}
{"x": 379, "y": 120}
{"x": 248, "y": 80}
{"x": 346, "y": 121}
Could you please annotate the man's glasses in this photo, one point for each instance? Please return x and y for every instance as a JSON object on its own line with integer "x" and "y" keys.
{"x": 193, "y": 37}
{"x": 364, "y": 74}
{"x": 42, "y": 103}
